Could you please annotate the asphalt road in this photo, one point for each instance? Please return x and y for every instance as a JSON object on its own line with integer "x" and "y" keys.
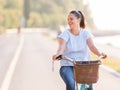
{"x": 25, "y": 64}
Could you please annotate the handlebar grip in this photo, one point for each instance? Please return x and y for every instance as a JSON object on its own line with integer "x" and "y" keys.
{"x": 59, "y": 57}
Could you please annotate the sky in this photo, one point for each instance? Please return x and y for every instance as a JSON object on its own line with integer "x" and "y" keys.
{"x": 106, "y": 13}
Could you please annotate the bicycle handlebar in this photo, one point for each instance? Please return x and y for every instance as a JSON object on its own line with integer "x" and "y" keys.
{"x": 69, "y": 59}
{"x": 60, "y": 57}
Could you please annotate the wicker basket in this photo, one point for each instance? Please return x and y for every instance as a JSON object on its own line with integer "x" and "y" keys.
{"x": 86, "y": 72}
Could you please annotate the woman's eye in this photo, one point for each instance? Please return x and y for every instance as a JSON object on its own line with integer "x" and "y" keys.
{"x": 71, "y": 18}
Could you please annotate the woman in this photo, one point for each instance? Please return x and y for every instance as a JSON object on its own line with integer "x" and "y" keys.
{"x": 75, "y": 43}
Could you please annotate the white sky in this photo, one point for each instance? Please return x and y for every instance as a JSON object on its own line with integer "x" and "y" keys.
{"x": 106, "y": 13}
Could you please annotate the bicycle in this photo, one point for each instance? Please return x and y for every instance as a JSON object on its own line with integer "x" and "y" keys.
{"x": 85, "y": 72}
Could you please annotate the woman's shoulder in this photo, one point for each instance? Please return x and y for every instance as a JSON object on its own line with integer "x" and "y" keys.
{"x": 64, "y": 33}
{"x": 87, "y": 33}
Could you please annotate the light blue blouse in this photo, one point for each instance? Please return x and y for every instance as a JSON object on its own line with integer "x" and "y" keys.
{"x": 76, "y": 46}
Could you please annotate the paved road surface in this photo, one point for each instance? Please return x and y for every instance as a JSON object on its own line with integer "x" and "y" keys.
{"x": 8, "y": 45}
{"x": 33, "y": 68}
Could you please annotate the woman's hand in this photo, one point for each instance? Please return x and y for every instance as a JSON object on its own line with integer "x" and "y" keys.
{"x": 104, "y": 55}
{"x": 54, "y": 57}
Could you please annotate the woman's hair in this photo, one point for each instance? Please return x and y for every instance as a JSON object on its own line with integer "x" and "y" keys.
{"x": 79, "y": 14}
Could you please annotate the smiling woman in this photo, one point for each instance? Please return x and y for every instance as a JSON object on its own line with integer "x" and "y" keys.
{"x": 106, "y": 14}
{"x": 75, "y": 43}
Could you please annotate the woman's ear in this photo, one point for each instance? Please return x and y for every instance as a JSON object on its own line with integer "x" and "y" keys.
{"x": 79, "y": 20}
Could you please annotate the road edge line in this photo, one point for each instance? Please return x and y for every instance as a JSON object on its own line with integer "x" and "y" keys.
{"x": 6, "y": 82}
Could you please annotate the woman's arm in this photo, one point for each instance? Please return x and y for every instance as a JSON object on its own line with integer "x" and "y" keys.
{"x": 61, "y": 48}
{"x": 94, "y": 49}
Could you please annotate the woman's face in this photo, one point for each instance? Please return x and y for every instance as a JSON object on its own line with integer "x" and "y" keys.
{"x": 73, "y": 21}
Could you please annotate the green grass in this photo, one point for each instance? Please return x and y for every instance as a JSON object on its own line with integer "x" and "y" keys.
{"x": 111, "y": 62}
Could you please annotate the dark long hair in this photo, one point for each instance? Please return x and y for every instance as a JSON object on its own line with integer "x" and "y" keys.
{"x": 79, "y": 14}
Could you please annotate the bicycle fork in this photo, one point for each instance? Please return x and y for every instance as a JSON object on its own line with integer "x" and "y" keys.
{"x": 82, "y": 87}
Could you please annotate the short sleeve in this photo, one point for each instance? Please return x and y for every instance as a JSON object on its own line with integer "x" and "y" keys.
{"x": 88, "y": 34}
{"x": 64, "y": 35}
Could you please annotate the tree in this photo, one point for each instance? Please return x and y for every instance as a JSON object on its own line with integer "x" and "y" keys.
{"x": 26, "y": 10}
{"x": 41, "y": 13}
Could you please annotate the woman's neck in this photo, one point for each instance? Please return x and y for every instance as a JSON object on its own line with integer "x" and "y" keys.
{"x": 75, "y": 31}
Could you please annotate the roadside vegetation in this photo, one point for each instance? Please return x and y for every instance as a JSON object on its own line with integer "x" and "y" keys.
{"x": 111, "y": 62}
{"x": 40, "y": 13}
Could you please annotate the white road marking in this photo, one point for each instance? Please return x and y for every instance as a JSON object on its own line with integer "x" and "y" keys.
{"x": 9, "y": 74}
